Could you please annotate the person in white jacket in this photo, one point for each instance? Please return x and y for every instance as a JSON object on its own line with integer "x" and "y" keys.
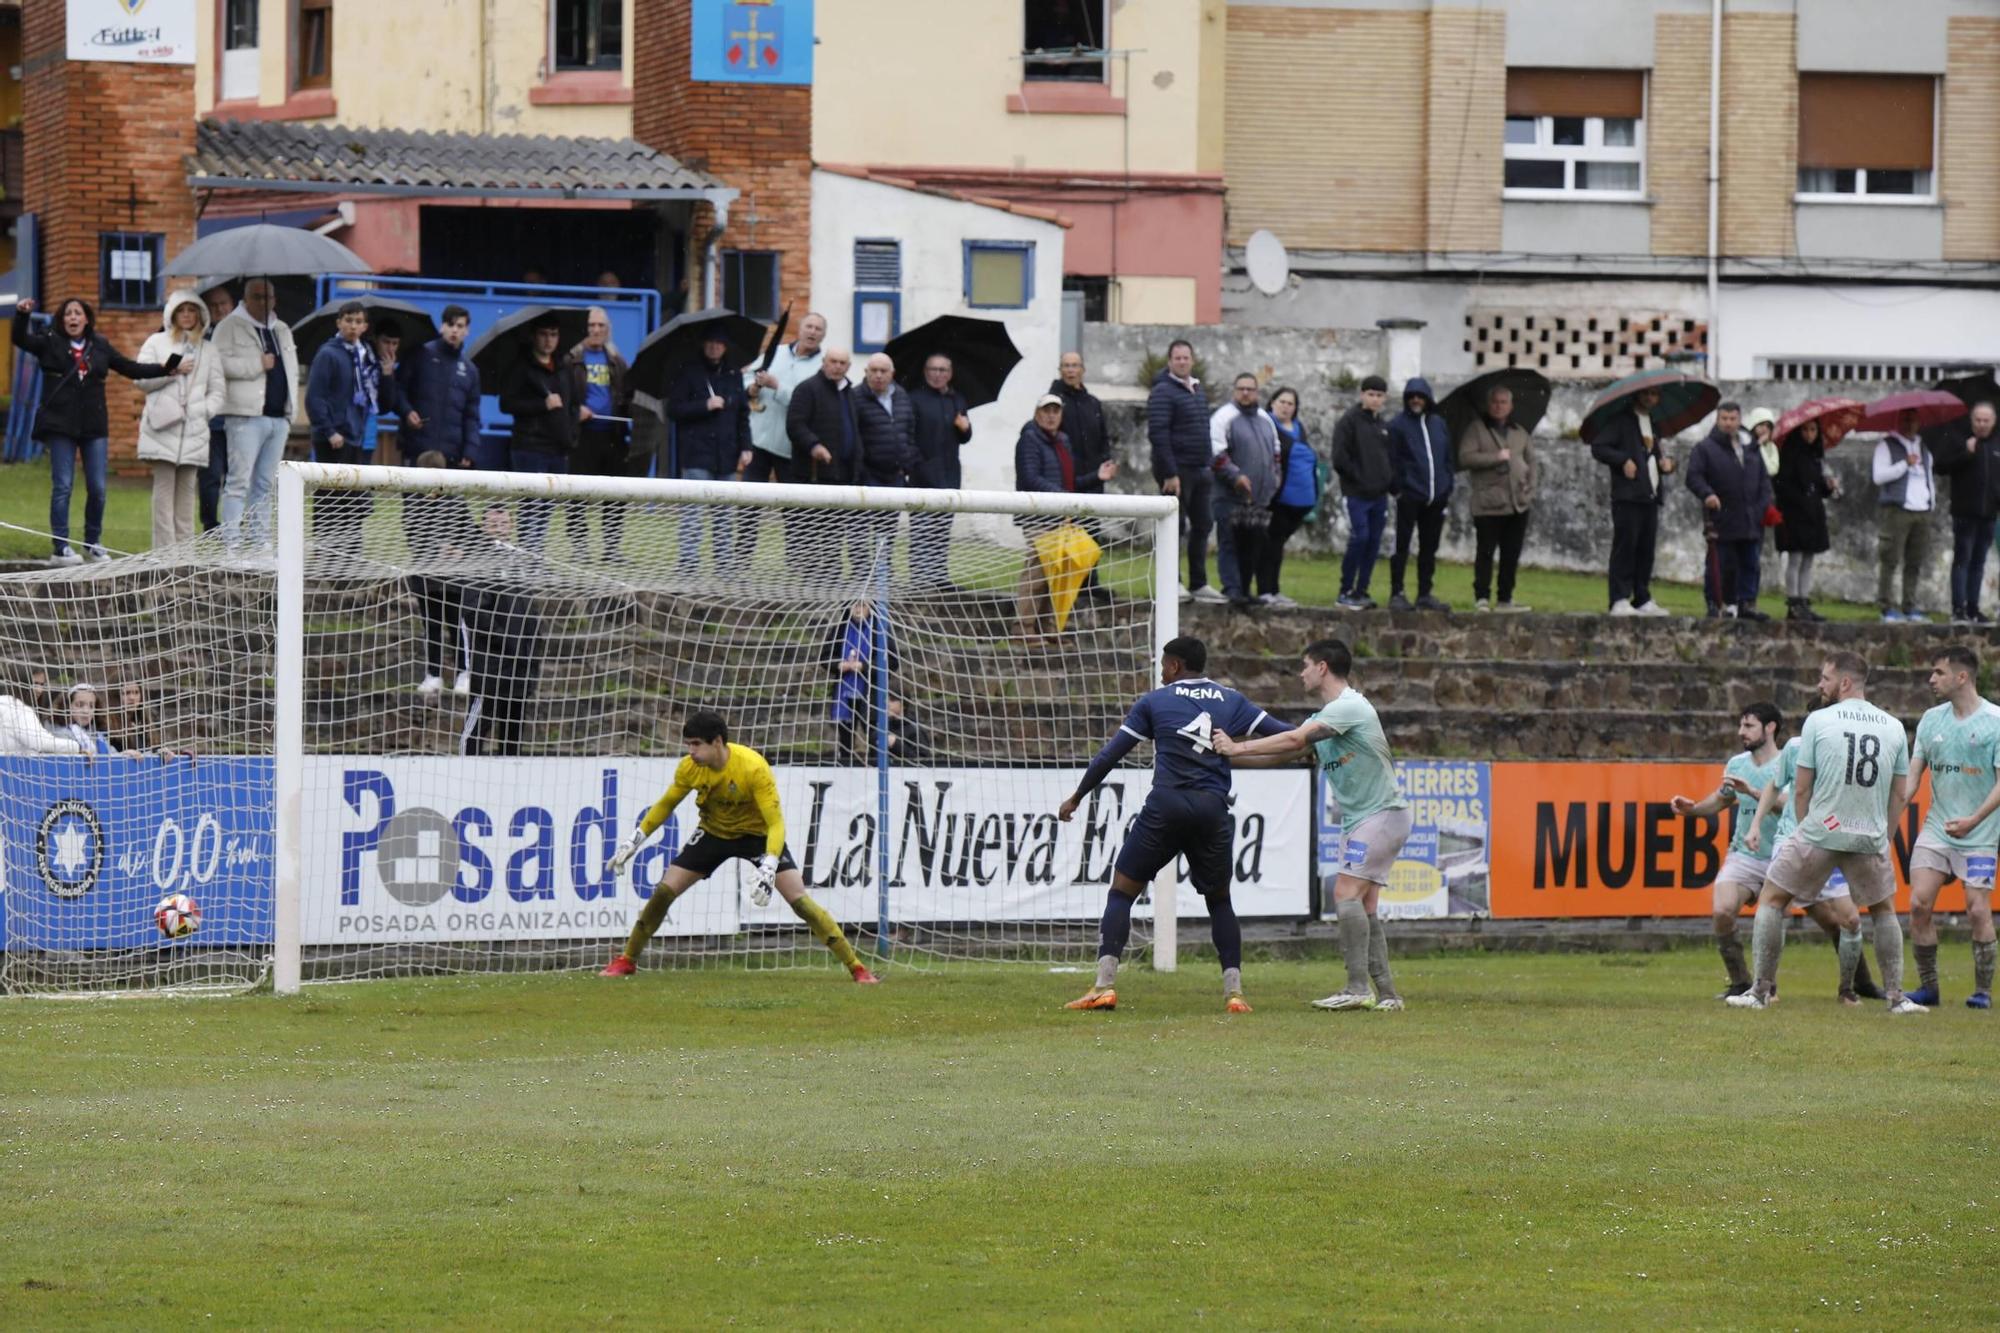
{"x": 770, "y": 394}
{"x": 22, "y": 732}
{"x": 260, "y": 369}
{"x": 173, "y": 428}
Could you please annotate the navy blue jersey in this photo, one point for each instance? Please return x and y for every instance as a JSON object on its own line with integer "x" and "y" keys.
{"x": 1181, "y": 720}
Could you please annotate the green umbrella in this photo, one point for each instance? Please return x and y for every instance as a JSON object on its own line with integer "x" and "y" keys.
{"x": 1684, "y": 400}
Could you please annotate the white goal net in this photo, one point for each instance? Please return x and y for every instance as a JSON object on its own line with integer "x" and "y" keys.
{"x": 408, "y": 738}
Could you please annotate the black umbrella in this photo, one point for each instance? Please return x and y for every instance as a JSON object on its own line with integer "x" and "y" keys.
{"x": 1972, "y": 389}
{"x": 981, "y": 351}
{"x": 500, "y": 348}
{"x": 678, "y": 342}
{"x": 414, "y": 321}
{"x": 1467, "y": 403}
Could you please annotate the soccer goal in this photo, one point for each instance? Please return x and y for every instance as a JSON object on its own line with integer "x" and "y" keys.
{"x": 406, "y": 738}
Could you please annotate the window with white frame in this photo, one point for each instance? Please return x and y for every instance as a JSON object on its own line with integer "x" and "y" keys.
{"x": 1867, "y": 136}
{"x": 240, "y": 69}
{"x": 1575, "y": 132}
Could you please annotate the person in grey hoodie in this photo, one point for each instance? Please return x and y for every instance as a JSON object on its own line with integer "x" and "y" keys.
{"x": 1423, "y": 490}
{"x": 1243, "y": 439}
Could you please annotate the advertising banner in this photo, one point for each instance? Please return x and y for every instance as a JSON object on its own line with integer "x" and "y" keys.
{"x": 140, "y": 32}
{"x": 93, "y": 845}
{"x": 1443, "y": 868}
{"x": 428, "y": 849}
{"x": 751, "y": 41}
{"x": 1598, "y": 840}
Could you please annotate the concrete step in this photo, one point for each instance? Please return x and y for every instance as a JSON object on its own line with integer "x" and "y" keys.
{"x": 1574, "y": 638}
{"x": 1555, "y": 735}
{"x": 1486, "y": 683}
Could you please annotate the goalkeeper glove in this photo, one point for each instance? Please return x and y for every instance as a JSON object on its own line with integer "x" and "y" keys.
{"x": 623, "y": 856}
{"x": 767, "y": 877}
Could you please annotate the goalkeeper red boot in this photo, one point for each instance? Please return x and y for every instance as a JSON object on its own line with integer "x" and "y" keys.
{"x": 1238, "y": 1005}
{"x": 621, "y": 966}
{"x": 863, "y": 977}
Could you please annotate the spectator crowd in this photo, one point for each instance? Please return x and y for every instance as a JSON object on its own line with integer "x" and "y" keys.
{"x": 223, "y": 381}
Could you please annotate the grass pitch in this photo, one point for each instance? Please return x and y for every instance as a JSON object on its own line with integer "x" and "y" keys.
{"x": 1539, "y": 1140}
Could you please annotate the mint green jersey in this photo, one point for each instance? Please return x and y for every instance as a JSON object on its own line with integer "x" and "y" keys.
{"x": 1757, "y": 775}
{"x": 1856, "y": 752}
{"x": 1786, "y": 769}
{"x": 1962, "y": 753}
{"x": 1355, "y": 759}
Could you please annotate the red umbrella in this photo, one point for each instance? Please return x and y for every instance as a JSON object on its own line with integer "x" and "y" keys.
{"x": 1933, "y": 408}
{"x": 1836, "y": 417}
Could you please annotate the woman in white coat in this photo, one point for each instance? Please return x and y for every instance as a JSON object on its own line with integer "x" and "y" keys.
{"x": 173, "y": 428}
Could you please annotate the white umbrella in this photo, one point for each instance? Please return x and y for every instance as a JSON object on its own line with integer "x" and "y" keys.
{"x": 266, "y": 251}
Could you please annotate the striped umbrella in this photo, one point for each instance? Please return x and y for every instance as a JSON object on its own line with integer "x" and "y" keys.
{"x": 1684, "y": 400}
{"x": 1836, "y": 417}
{"x": 1933, "y": 408}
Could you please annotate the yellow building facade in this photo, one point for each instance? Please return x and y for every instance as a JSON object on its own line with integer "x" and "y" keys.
{"x": 1126, "y": 139}
{"x": 472, "y": 66}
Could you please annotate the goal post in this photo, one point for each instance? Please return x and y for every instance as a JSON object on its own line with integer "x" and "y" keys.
{"x": 1008, "y": 674}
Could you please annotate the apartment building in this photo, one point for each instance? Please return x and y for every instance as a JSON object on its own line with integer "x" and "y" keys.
{"x": 1531, "y": 178}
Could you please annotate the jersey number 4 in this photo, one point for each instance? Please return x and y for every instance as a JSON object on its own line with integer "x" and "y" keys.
{"x": 1199, "y": 733}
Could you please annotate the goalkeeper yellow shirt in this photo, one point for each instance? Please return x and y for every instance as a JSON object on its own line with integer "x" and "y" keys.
{"x": 738, "y": 800}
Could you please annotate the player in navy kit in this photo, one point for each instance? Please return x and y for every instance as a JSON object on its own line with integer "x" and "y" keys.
{"x": 1186, "y": 813}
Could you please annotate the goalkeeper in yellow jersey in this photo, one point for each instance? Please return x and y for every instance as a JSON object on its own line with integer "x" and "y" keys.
{"x": 738, "y": 800}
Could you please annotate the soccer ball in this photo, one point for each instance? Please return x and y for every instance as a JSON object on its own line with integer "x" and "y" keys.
{"x": 178, "y": 916}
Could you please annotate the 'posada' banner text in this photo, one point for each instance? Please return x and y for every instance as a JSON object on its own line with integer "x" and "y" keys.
{"x": 470, "y": 849}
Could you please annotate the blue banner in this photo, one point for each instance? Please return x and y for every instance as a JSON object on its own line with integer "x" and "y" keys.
{"x": 752, "y": 41}
{"x": 93, "y": 845}
{"x": 1444, "y": 868}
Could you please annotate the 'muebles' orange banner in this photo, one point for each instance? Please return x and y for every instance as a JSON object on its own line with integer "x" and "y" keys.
{"x": 1597, "y": 840}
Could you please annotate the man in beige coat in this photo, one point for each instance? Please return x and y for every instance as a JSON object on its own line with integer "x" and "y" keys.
{"x": 1498, "y": 459}
{"x": 173, "y": 428}
{"x": 260, "y": 363}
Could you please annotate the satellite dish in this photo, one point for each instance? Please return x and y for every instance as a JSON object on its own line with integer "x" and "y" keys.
{"x": 1265, "y": 258}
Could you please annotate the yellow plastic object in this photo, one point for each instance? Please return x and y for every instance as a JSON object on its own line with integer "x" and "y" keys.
{"x": 1068, "y": 554}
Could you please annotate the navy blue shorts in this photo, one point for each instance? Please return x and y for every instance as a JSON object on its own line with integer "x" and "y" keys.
{"x": 1194, "y": 824}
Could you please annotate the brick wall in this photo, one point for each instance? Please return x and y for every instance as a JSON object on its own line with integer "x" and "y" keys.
{"x": 1466, "y": 128}
{"x": 1760, "y": 133}
{"x": 757, "y": 139}
{"x": 1677, "y": 134}
{"x": 1970, "y": 169}
{"x": 1335, "y": 162}
{"x": 104, "y": 148}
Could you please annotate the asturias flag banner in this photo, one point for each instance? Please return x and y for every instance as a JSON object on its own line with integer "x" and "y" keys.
{"x": 752, "y": 41}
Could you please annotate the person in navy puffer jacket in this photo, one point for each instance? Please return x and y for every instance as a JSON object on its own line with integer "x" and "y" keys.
{"x": 1177, "y": 430}
{"x": 1423, "y": 489}
{"x": 442, "y": 386}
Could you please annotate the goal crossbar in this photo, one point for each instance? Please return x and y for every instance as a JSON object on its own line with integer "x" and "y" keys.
{"x": 357, "y": 477}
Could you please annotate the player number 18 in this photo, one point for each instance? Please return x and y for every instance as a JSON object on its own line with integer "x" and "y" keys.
{"x": 1864, "y": 759}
